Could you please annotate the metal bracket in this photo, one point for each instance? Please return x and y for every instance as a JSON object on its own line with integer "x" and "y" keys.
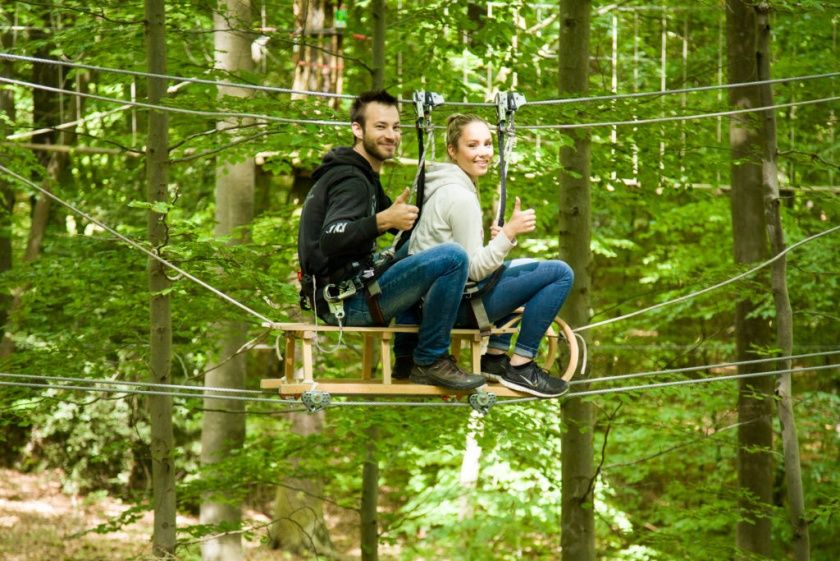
{"x": 315, "y": 400}
{"x": 507, "y": 103}
{"x": 424, "y": 102}
{"x": 482, "y": 401}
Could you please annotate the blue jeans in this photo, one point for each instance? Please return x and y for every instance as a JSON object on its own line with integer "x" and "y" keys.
{"x": 540, "y": 286}
{"x": 435, "y": 275}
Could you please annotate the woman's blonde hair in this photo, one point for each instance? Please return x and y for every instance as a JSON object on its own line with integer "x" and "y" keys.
{"x": 455, "y": 124}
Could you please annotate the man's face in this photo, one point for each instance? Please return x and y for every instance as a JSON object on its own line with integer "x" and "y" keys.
{"x": 380, "y": 135}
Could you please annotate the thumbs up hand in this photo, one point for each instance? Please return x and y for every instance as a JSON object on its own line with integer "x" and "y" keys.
{"x": 400, "y": 215}
{"x": 521, "y": 221}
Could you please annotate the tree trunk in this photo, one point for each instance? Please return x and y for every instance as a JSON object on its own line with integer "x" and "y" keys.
{"x": 377, "y": 12}
{"x": 7, "y": 192}
{"x": 784, "y": 315}
{"x": 223, "y": 426}
{"x": 45, "y": 114}
{"x": 160, "y": 328}
{"x": 755, "y": 434}
{"x": 575, "y": 222}
{"x": 299, "y": 526}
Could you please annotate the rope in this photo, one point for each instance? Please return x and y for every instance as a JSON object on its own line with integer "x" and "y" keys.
{"x": 684, "y": 90}
{"x": 679, "y": 117}
{"x": 173, "y": 109}
{"x": 322, "y": 122}
{"x": 136, "y": 245}
{"x": 702, "y": 367}
{"x": 638, "y": 387}
{"x": 170, "y": 77}
{"x": 275, "y": 89}
{"x": 710, "y": 288}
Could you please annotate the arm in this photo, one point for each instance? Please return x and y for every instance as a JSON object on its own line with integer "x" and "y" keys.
{"x": 464, "y": 218}
{"x": 349, "y": 223}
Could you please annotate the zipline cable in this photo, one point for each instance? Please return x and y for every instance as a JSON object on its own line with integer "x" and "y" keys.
{"x": 320, "y": 122}
{"x": 734, "y": 85}
{"x": 136, "y": 245}
{"x": 139, "y": 74}
{"x": 174, "y": 109}
{"x": 624, "y": 389}
{"x": 702, "y": 367}
{"x": 710, "y": 288}
{"x": 276, "y": 89}
{"x": 679, "y": 117}
{"x": 195, "y": 388}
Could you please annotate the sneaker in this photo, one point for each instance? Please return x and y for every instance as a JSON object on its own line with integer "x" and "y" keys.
{"x": 402, "y": 367}
{"x": 446, "y": 373}
{"x": 532, "y": 379}
{"x": 493, "y": 367}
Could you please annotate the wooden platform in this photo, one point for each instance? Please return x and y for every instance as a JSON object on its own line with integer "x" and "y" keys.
{"x": 305, "y": 334}
{"x": 396, "y": 388}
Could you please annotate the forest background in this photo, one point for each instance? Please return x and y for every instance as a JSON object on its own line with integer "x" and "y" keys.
{"x": 646, "y": 212}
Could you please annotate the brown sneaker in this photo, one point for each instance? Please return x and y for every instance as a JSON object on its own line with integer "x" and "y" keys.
{"x": 445, "y": 372}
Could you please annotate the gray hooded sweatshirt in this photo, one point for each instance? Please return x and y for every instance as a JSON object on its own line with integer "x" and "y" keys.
{"x": 452, "y": 213}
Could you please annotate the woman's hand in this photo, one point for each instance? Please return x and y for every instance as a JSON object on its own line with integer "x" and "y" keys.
{"x": 520, "y": 222}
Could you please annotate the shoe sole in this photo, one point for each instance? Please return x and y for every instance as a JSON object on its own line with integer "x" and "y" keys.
{"x": 492, "y": 377}
{"x": 525, "y": 389}
{"x": 431, "y": 382}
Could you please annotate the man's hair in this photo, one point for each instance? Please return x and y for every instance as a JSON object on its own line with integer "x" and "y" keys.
{"x": 357, "y": 110}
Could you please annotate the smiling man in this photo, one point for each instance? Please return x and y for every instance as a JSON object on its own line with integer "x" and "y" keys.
{"x": 344, "y": 214}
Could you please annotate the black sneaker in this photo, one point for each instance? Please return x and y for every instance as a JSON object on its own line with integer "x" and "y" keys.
{"x": 402, "y": 367}
{"x": 532, "y": 379}
{"x": 493, "y": 367}
{"x": 446, "y": 373}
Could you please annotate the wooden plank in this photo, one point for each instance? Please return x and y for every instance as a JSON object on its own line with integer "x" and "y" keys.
{"x": 351, "y": 386}
{"x": 306, "y": 327}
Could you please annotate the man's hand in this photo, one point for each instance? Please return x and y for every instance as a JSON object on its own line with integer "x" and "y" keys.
{"x": 399, "y": 215}
{"x": 521, "y": 221}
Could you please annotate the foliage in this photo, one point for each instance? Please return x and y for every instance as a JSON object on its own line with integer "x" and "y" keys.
{"x": 661, "y": 229}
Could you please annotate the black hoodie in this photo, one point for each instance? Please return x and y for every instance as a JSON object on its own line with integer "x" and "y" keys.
{"x": 337, "y": 234}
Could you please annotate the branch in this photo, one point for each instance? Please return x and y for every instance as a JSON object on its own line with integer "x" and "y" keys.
{"x": 814, "y": 156}
{"x": 590, "y": 487}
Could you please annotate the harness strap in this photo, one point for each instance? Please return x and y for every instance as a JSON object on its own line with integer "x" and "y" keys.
{"x": 372, "y": 292}
{"x": 474, "y": 292}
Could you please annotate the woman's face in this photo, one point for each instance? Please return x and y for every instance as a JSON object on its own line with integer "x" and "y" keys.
{"x": 474, "y": 151}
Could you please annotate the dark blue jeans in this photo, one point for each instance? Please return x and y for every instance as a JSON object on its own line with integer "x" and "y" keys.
{"x": 434, "y": 275}
{"x": 540, "y": 286}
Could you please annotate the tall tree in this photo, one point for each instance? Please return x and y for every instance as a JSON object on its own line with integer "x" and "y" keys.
{"x": 160, "y": 328}
{"x": 784, "y": 314}
{"x": 575, "y": 223}
{"x": 7, "y": 192}
{"x": 223, "y": 425}
{"x": 752, "y": 333}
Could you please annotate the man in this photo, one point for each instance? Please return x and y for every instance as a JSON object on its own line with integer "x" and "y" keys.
{"x": 343, "y": 214}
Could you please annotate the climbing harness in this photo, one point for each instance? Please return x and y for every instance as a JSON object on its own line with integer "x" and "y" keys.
{"x": 424, "y": 103}
{"x": 507, "y": 103}
{"x": 364, "y": 280}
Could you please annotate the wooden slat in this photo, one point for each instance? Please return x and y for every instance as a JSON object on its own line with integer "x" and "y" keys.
{"x": 351, "y": 386}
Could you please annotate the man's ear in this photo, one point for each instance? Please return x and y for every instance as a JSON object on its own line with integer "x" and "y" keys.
{"x": 358, "y": 131}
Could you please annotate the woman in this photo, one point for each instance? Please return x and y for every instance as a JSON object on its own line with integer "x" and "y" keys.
{"x": 452, "y": 212}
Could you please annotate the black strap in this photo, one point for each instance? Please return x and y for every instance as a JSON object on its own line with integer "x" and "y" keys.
{"x": 474, "y": 293}
{"x": 372, "y": 292}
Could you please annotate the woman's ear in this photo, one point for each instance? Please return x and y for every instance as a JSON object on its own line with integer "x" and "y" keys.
{"x": 451, "y": 150}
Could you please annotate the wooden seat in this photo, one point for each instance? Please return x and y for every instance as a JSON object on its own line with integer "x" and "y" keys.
{"x": 306, "y": 333}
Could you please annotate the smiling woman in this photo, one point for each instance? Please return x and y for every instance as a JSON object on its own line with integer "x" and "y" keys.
{"x": 452, "y": 213}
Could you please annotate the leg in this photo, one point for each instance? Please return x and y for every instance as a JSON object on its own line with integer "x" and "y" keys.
{"x": 542, "y": 287}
